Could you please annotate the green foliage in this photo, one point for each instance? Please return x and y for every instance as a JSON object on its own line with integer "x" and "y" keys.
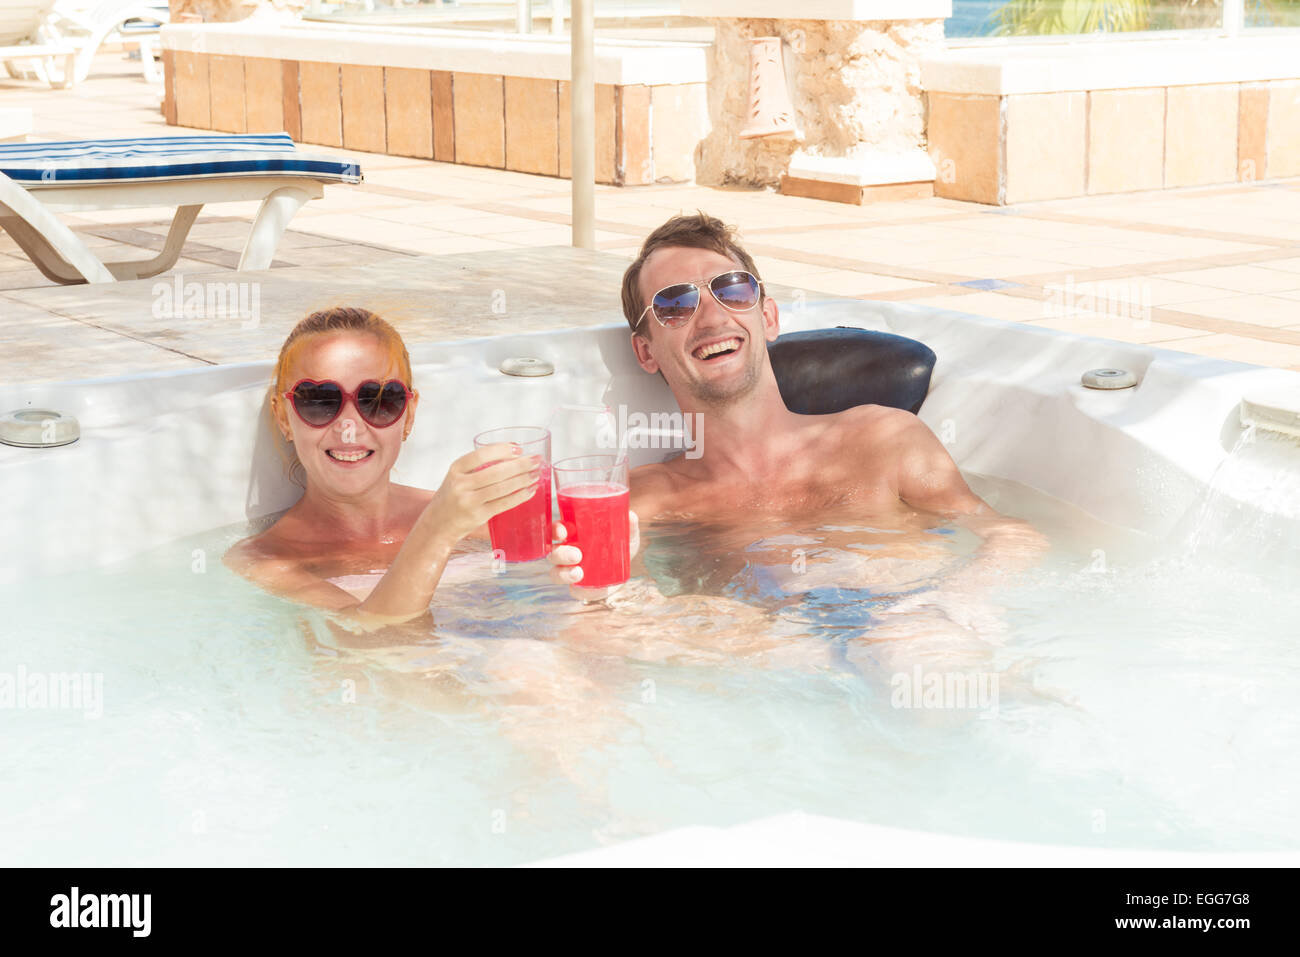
{"x": 1018, "y": 18}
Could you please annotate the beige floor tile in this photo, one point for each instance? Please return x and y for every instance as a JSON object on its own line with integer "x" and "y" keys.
{"x": 367, "y": 229}
{"x": 426, "y": 214}
{"x": 1169, "y": 292}
{"x": 490, "y": 224}
{"x": 554, "y": 235}
{"x": 1240, "y": 278}
{"x": 1116, "y": 327}
{"x": 845, "y": 283}
{"x": 991, "y": 304}
{"x": 1158, "y": 246}
{"x": 859, "y": 245}
{"x": 1098, "y": 257}
{"x": 1239, "y": 349}
{"x": 1286, "y": 265}
{"x": 1260, "y": 310}
{"x": 774, "y": 269}
{"x": 995, "y": 267}
{"x": 459, "y": 244}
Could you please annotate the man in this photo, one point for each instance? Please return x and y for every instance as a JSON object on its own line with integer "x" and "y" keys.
{"x": 699, "y": 316}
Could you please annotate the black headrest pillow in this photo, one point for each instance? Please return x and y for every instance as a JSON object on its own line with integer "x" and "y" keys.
{"x": 830, "y": 370}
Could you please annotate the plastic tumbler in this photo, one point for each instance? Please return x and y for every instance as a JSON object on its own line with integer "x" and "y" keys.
{"x": 523, "y": 533}
{"x": 593, "y": 494}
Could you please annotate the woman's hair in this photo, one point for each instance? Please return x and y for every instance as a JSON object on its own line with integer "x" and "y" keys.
{"x": 347, "y": 319}
{"x": 700, "y": 231}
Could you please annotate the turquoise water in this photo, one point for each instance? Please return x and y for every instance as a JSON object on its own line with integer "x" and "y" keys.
{"x": 1144, "y": 699}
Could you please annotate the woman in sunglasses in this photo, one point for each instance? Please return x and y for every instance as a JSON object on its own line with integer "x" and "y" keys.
{"x": 342, "y": 398}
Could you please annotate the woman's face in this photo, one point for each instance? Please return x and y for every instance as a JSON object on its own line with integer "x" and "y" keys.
{"x": 349, "y": 457}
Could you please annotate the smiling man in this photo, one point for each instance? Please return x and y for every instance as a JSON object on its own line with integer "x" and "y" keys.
{"x": 699, "y": 316}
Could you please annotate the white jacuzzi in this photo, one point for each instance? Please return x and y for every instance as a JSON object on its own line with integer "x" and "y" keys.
{"x": 163, "y": 458}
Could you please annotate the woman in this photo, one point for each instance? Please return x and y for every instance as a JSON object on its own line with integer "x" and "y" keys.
{"x": 342, "y": 397}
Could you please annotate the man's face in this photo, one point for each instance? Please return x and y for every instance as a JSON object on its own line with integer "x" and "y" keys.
{"x": 687, "y": 355}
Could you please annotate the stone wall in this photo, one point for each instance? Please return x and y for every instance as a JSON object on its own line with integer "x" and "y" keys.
{"x": 856, "y": 88}
{"x": 505, "y": 122}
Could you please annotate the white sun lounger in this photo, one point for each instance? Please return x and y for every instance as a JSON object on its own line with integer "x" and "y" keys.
{"x": 27, "y": 36}
{"x": 186, "y": 172}
{"x": 89, "y": 24}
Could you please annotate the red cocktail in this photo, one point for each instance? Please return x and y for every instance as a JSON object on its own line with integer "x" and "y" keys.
{"x": 523, "y": 533}
{"x": 593, "y": 494}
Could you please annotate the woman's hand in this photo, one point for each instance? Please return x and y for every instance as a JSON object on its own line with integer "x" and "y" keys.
{"x": 567, "y": 560}
{"x": 484, "y": 483}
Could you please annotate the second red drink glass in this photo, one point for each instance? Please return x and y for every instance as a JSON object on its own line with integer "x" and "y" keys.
{"x": 593, "y": 496}
{"x": 523, "y": 533}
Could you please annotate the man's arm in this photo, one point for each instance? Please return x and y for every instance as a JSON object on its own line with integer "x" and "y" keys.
{"x": 928, "y": 479}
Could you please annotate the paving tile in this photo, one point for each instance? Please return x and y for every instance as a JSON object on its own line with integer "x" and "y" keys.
{"x": 1171, "y": 292}
{"x": 1238, "y": 349}
{"x": 845, "y": 283}
{"x": 991, "y": 304}
{"x": 1240, "y": 278}
{"x": 1124, "y": 329}
{"x": 995, "y": 267}
{"x": 1259, "y": 310}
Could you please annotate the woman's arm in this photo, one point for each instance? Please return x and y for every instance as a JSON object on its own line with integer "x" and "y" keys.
{"x": 479, "y": 485}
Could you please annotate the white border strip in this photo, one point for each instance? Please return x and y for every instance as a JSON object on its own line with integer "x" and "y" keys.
{"x": 1120, "y": 65}
{"x": 618, "y": 63}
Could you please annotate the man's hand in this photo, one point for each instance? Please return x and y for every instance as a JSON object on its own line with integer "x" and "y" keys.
{"x": 567, "y": 561}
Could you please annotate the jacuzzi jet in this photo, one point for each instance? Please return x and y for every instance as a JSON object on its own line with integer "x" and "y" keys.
{"x": 38, "y": 429}
{"x": 526, "y": 366}
{"x": 1271, "y": 411}
{"x": 1109, "y": 379}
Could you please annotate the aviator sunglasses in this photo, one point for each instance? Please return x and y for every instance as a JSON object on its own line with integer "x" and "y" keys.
{"x": 319, "y": 403}
{"x": 674, "y": 306}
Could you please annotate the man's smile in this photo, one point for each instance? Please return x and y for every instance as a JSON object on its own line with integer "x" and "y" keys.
{"x": 711, "y": 350}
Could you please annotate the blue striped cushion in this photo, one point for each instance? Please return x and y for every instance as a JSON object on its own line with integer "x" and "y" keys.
{"x": 160, "y": 158}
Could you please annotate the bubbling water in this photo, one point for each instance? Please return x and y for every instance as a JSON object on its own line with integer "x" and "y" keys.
{"x": 1123, "y": 692}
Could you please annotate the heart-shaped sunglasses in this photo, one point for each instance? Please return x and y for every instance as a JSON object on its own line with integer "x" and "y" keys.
{"x": 320, "y": 403}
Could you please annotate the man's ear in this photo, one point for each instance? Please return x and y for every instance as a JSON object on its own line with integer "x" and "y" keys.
{"x": 641, "y": 346}
{"x": 771, "y": 319}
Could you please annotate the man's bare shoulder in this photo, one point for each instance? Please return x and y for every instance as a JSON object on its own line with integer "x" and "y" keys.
{"x": 875, "y": 422}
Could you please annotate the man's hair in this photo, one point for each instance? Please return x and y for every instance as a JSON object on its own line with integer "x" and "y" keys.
{"x": 700, "y": 231}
